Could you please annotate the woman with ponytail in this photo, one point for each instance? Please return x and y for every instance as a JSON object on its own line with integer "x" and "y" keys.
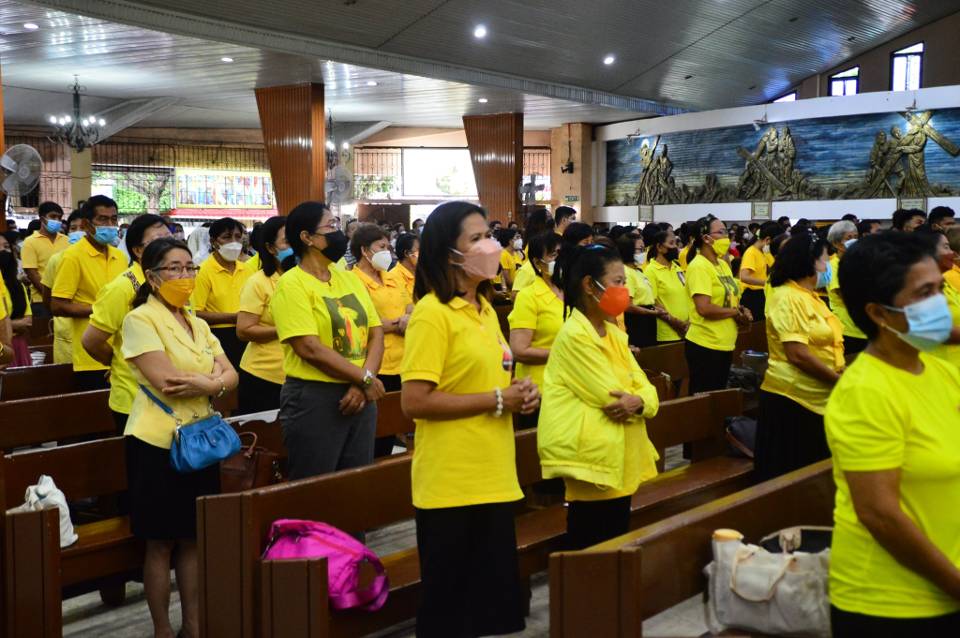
{"x": 716, "y": 311}
{"x": 179, "y": 364}
{"x": 595, "y": 391}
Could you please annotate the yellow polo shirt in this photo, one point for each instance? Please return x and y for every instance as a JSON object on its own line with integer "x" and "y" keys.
{"x": 798, "y": 315}
{"x": 754, "y": 259}
{"x": 8, "y": 302}
{"x": 950, "y": 351}
{"x": 253, "y": 264}
{"x": 952, "y": 277}
{"x": 218, "y": 289}
{"x": 153, "y": 328}
{"x": 404, "y": 276}
{"x": 539, "y": 309}
{"x": 62, "y": 326}
{"x": 4, "y": 295}
{"x": 718, "y": 283}
{"x": 113, "y": 303}
{"x": 84, "y": 270}
{"x": 262, "y": 360}
{"x": 883, "y": 418}
{"x": 391, "y": 300}
{"x": 850, "y": 329}
{"x": 669, "y": 287}
{"x": 469, "y": 460}
{"x": 338, "y": 312}
{"x": 525, "y": 276}
{"x": 510, "y": 263}
{"x": 641, "y": 292}
{"x": 682, "y": 259}
{"x": 37, "y": 251}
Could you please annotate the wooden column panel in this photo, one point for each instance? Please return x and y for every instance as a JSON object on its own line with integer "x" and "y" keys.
{"x": 496, "y": 150}
{"x": 293, "y": 120}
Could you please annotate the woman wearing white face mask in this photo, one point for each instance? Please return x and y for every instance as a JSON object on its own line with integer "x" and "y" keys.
{"x": 841, "y": 236}
{"x": 537, "y": 315}
{"x": 641, "y": 316}
{"x": 511, "y": 258}
{"x": 371, "y": 249}
{"x": 220, "y": 281}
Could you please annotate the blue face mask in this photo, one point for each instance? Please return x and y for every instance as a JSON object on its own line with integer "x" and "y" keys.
{"x": 283, "y": 254}
{"x": 849, "y": 242}
{"x": 107, "y": 235}
{"x": 53, "y": 226}
{"x": 76, "y": 236}
{"x": 928, "y": 322}
{"x": 823, "y": 278}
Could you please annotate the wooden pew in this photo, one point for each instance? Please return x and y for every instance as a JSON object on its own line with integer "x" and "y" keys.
{"x": 608, "y": 590}
{"x": 753, "y": 338}
{"x": 64, "y": 417}
{"x": 36, "y": 381}
{"x": 268, "y": 598}
{"x": 668, "y": 359}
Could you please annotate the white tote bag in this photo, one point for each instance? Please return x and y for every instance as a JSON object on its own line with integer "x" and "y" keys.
{"x": 46, "y": 494}
{"x": 784, "y": 594}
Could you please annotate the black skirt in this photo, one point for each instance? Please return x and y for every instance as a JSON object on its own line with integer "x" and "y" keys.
{"x": 755, "y": 300}
{"x": 789, "y": 437}
{"x": 163, "y": 502}
{"x": 641, "y": 329}
{"x": 256, "y": 394}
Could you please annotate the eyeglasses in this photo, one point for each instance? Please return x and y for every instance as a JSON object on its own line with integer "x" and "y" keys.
{"x": 178, "y": 270}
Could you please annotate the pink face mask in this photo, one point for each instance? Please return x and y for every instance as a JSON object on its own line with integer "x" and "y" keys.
{"x": 482, "y": 260}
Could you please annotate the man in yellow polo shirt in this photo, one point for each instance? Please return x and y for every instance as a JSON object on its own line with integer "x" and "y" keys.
{"x": 62, "y": 326}
{"x": 216, "y": 298}
{"x": 113, "y": 303}
{"x": 563, "y": 217}
{"x": 39, "y": 247}
{"x": 87, "y": 267}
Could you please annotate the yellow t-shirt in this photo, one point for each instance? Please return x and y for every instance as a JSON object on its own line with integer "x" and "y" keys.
{"x": 4, "y": 296}
{"x": 682, "y": 259}
{"x": 952, "y": 277}
{"x": 798, "y": 315}
{"x": 253, "y": 264}
{"x": 391, "y": 300}
{"x": 62, "y": 326}
{"x": 262, "y": 360}
{"x": 641, "y": 292}
{"x": 717, "y": 282}
{"x": 83, "y": 271}
{"x": 510, "y": 263}
{"x": 536, "y": 308}
{"x": 8, "y": 302}
{"x": 404, "y": 276}
{"x": 525, "y": 276}
{"x": 113, "y": 303}
{"x": 850, "y": 329}
{"x": 153, "y": 328}
{"x": 884, "y": 418}
{"x": 470, "y": 460}
{"x": 37, "y": 251}
{"x": 218, "y": 289}
{"x": 950, "y": 351}
{"x": 338, "y": 312}
{"x": 669, "y": 287}
{"x": 755, "y": 260}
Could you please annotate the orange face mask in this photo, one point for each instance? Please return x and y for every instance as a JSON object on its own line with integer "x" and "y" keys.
{"x": 176, "y": 292}
{"x": 615, "y": 300}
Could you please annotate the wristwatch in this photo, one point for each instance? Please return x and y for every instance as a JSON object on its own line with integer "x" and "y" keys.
{"x": 367, "y": 378}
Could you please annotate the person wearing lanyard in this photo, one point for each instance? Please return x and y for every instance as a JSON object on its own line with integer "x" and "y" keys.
{"x": 216, "y": 299}
{"x": 754, "y": 268}
{"x": 893, "y": 428}
{"x": 536, "y": 316}
{"x": 261, "y": 368}
{"x": 716, "y": 311}
{"x": 408, "y": 249}
{"x": 176, "y": 359}
{"x": 332, "y": 344}
{"x": 841, "y": 236}
{"x": 669, "y": 287}
{"x": 457, "y": 387}
{"x": 806, "y": 359}
{"x": 103, "y": 338}
{"x": 641, "y": 316}
{"x": 595, "y": 391}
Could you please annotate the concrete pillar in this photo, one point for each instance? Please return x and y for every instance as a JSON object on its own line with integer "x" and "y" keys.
{"x": 81, "y": 176}
{"x": 572, "y": 143}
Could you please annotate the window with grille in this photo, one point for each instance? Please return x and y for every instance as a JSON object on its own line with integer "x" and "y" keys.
{"x": 907, "y": 71}
{"x": 846, "y": 82}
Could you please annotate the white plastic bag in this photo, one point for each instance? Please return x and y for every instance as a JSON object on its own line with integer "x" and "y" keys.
{"x": 46, "y": 494}
{"x": 783, "y": 594}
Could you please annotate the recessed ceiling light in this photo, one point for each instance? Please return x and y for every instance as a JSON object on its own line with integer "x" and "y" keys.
{"x": 226, "y": 59}
{"x": 31, "y": 26}
{"x": 480, "y": 32}
{"x": 371, "y": 82}
{"x": 687, "y": 77}
{"x": 610, "y": 59}
{"x": 483, "y": 100}
{"x": 346, "y": 146}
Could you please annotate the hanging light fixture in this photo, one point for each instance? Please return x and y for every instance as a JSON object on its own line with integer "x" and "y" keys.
{"x": 76, "y": 130}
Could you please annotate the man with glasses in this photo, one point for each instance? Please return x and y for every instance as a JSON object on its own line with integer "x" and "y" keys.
{"x": 86, "y": 267}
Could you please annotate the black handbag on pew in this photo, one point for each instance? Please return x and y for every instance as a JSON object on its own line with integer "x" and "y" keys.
{"x": 251, "y": 467}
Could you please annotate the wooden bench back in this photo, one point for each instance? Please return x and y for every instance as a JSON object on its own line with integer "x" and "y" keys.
{"x": 697, "y": 420}
{"x": 607, "y": 591}
{"x": 753, "y": 338}
{"x": 668, "y": 359}
{"x": 390, "y": 417}
{"x": 26, "y": 422}
{"x": 36, "y": 381}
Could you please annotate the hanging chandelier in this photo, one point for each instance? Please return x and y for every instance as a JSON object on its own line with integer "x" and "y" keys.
{"x": 75, "y": 130}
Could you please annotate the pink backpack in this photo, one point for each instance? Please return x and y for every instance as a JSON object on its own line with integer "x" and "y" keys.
{"x": 291, "y": 538}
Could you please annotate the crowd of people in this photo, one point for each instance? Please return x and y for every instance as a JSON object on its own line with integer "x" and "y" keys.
{"x": 319, "y": 321}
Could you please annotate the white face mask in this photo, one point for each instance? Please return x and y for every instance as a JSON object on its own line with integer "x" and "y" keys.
{"x": 231, "y": 251}
{"x": 640, "y": 258}
{"x": 381, "y": 260}
{"x": 551, "y": 265}
{"x": 518, "y": 244}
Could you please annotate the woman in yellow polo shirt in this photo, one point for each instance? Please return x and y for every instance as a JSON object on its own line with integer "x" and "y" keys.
{"x": 669, "y": 287}
{"x": 595, "y": 391}
{"x": 408, "y": 249}
{"x": 806, "y": 358}
{"x": 222, "y": 275}
{"x": 950, "y": 349}
{"x": 6, "y": 333}
{"x": 457, "y": 386}
{"x": 261, "y": 368}
{"x": 177, "y": 360}
{"x": 842, "y": 235}
{"x": 332, "y": 344}
{"x": 536, "y": 316}
{"x": 716, "y": 312}
{"x": 62, "y": 326}
{"x": 641, "y": 316}
{"x": 511, "y": 258}
{"x": 16, "y": 301}
{"x": 754, "y": 267}
{"x": 894, "y": 430}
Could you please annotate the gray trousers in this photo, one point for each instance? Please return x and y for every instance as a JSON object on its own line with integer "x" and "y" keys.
{"x": 318, "y": 438}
